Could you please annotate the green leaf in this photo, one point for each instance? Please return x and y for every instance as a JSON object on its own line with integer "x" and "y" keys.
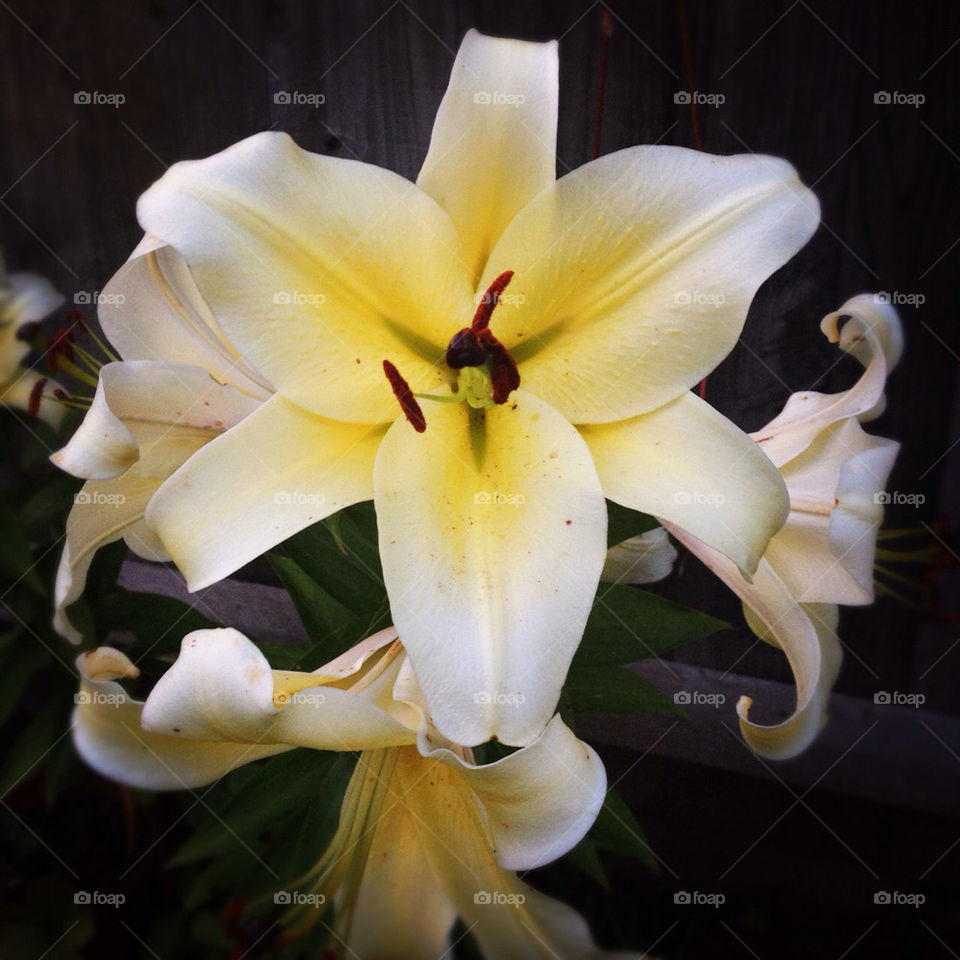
{"x": 16, "y": 558}
{"x": 279, "y": 795}
{"x": 628, "y": 624}
{"x": 158, "y": 622}
{"x": 616, "y": 829}
{"x": 624, "y": 523}
{"x": 320, "y": 613}
{"x": 585, "y": 858}
{"x": 615, "y": 690}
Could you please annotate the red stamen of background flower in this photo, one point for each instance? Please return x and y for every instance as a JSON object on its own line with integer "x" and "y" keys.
{"x": 76, "y": 318}
{"x": 36, "y": 395}
{"x": 481, "y": 319}
{"x": 406, "y": 399}
{"x": 60, "y": 346}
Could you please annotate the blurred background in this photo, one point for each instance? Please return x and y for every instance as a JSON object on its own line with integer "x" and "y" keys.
{"x": 97, "y": 99}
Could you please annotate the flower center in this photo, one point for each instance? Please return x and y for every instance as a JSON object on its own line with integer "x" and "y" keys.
{"x": 487, "y": 374}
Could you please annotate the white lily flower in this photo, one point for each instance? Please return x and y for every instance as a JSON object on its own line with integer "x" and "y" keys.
{"x": 179, "y": 385}
{"x": 629, "y": 279}
{"x": 25, "y": 298}
{"x": 646, "y": 558}
{"x": 421, "y": 825}
{"x": 823, "y": 556}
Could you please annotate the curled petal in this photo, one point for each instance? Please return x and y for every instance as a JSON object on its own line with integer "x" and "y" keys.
{"x": 646, "y": 558}
{"x": 874, "y": 336}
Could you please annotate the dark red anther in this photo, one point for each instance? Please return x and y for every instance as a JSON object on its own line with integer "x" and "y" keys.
{"x": 76, "y": 318}
{"x": 481, "y": 319}
{"x": 465, "y": 350}
{"x": 62, "y": 395}
{"x": 504, "y": 375}
{"x": 36, "y": 395}
{"x": 406, "y": 399}
{"x": 61, "y": 345}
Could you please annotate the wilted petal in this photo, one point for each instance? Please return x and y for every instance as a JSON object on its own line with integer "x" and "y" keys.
{"x": 151, "y": 310}
{"x": 777, "y": 615}
{"x": 874, "y": 336}
{"x": 540, "y": 801}
{"x": 221, "y": 687}
{"x": 135, "y": 399}
{"x": 108, "y": 735}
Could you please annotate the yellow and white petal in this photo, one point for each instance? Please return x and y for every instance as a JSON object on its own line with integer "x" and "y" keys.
{"x": 221, "y": 687}
{"x": 493, "y": 147}
{"x": 136, "y": 393}
{"x": 634, "y": 273}
{"x": 317, "y": 269}
{"x": 152, "y": 310}
{"x": 646, "y": 558}
{"x": 781, "y": 619}
{"x": 540, "y": 801}
{"x": 492, "y": 536}
{"x": 107, "y": 732}
{"x": 275, "y": 473}
{"x": 18, "y": 392}
{"x": 398, "y": 880}
{"x": 688, "y": 464}
{"x": 873, "y": 334}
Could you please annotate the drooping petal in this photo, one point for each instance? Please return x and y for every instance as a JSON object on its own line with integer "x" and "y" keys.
{"x": 825, "y": 551}
{"x": 492, "y": 535}
{"x": 507, "y": 918}
{"x": 634, "y": 273}
{"x": 776, "y": 614}
{"x": 151, "y": 310}
{"x": 275, "y": 473}
{"x": 105, "y": 510}
{"x": 874, "y": 336}
{"x": 493, "y": 147}
{"x": 686, "y": 463}
{"x": 107, "y": 732}
{"x": 221, "y": 687}
{"x": 646, "y": 558}
{"x": 131, "y": 396}
{"x": 540, "y": 801}
{"x": 317, "y": 269}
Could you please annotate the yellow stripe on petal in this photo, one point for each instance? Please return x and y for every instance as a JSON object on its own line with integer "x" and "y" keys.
{"x": 492, "y": 535}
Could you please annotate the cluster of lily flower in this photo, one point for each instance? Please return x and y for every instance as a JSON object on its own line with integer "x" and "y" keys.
{"x": 576, "y": 390}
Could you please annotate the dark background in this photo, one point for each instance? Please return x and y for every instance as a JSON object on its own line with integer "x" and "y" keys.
{"x": 799, "y": 80}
